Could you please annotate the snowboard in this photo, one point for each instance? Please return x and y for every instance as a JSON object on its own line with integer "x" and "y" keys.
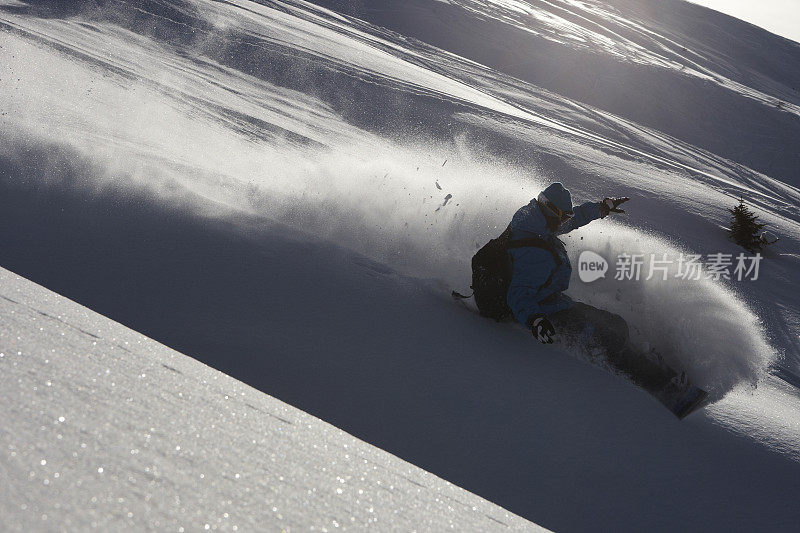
{"x": 683, "y": 403}
{"x": 679, "y": 395}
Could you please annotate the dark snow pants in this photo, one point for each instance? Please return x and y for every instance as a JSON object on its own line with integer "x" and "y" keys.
{"x": 604, "y": 337}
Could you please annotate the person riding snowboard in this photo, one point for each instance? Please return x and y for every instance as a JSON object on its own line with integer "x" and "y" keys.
{"x": 540, "y": 275}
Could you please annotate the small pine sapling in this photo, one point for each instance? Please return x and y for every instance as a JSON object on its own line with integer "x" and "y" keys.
{"x": 745, "y": 229}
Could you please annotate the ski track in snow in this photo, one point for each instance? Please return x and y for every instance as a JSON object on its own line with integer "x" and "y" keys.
{"x": 236, "y": 110}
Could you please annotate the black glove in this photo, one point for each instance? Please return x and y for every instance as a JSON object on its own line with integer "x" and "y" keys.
{"x": 542, "y": 328}
{"x": 611, "y": 205}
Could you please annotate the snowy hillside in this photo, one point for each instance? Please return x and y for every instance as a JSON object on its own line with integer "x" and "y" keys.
{"x": 111, "y": 430}
{"x": 716, "y": 82}
{"x": 288, "y": 194}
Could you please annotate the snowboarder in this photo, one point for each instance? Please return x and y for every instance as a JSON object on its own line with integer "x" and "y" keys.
{"x": 541, "y": 273}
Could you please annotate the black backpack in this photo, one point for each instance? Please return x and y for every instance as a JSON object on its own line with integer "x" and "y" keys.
{"x": 492, "y": 270}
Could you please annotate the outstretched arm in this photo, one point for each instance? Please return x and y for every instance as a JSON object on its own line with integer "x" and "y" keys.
{"x": 589, "y": 211}
{"x": 584, "y": 214}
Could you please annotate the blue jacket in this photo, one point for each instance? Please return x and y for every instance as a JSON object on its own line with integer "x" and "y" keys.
{"x": 529, "y": 292}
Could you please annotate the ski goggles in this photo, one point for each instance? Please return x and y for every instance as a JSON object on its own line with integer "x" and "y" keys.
{"x": 562, "y": 216}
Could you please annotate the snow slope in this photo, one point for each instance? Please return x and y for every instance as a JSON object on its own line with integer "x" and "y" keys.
{"x": 698, "y": 75}
{"x": 263, "y": 186}
{"x": 108, "y": 429}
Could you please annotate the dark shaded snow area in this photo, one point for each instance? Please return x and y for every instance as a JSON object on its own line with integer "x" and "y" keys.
{"x": 289, "y": 194}
{"x": 110, "y": 430}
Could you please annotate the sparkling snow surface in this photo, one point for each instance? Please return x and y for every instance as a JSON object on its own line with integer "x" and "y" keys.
{"x": 105, "y": 428}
